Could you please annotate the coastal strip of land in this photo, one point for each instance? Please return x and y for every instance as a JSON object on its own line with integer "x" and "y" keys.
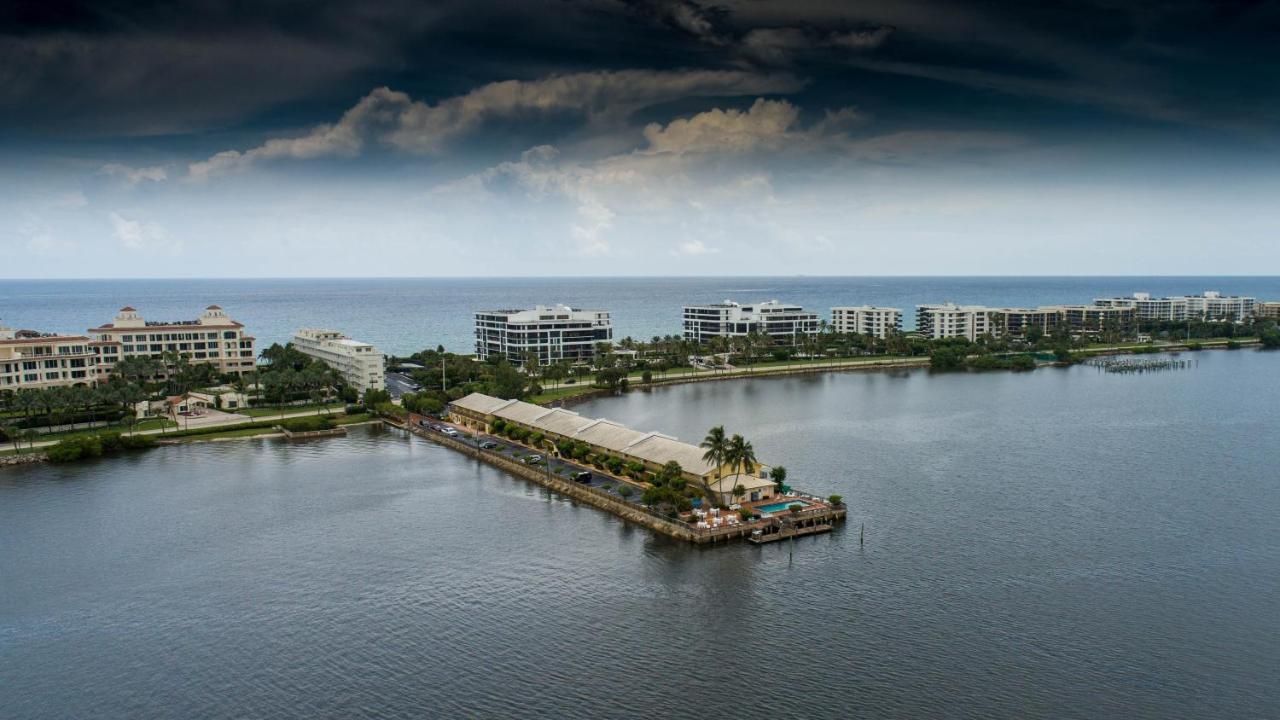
{"x": 817, "y": 516}
{"x": 566, "y": 394}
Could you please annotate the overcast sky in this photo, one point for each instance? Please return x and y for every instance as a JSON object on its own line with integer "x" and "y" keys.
{"x": 213, "y": 138}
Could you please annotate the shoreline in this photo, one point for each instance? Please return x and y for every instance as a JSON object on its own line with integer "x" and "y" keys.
{"x": 30, "y": 458}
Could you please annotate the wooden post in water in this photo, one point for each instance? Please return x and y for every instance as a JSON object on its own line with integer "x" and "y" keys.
{"x": 862, "y": 535}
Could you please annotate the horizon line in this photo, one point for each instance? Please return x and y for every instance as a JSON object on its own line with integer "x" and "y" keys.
{"x": 600, "y": 277}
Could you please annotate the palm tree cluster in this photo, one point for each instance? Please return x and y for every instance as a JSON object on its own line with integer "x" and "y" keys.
{"x": 735, "y": 452}
{"x": 72, "y": 404}
{"x": 292, "y": 375}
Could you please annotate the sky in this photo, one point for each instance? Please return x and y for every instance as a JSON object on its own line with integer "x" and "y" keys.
{"x": 222, "y": 138}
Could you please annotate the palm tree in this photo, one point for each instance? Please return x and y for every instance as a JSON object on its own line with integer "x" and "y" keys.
{"x": 26, "y": 400}
{"x": 742, "y": 456}
{"x": 130, "y": 395}
{"x": 14, "y": 435}
{"x": 716, "y": 451}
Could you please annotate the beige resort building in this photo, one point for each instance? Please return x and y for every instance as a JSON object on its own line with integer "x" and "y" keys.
{"x": 653, "y": 450}
{"x": 212, "y": 338}
{"x": 33, "y": 360}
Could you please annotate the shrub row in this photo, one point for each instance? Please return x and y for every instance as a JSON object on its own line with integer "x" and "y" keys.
{"x": 308, "y": 424}
{"x": 91, "y": 446}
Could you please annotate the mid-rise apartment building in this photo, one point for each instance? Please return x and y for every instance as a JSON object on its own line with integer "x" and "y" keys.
{"x": 779, "y": 321}
{"x": 1268, "y": 310}
{"x": 866, "y": 320}
{"x": 1019, "y": 322}
{"x": 1211, "y": 305}
{"x": 360, "y": 364}
{"x": 212, "y": 338}
{"x": 1094, "y": 320}
{"x": 972, "y": 321}
{"x": 553, "y": 333}
{"x": 33, "y": 360}
{"x": 949, "y": 320}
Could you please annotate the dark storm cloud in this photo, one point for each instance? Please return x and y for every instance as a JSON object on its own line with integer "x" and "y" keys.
{"x": 193, "y": 67}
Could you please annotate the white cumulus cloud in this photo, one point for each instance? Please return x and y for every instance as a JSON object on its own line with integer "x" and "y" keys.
{"x": 392, "y": 118}
{"x": 138, "y": 235}
{"x": 133, "y": 175}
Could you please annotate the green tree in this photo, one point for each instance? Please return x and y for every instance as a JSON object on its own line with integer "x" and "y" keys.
{"x": 741, "y": 454}
{"x": 507, "y": 382}
{"x": 779, "y": 476}
{"x": 716, "y": 445}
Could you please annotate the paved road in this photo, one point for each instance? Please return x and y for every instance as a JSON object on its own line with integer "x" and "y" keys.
{"x": 228, "y": 425}
{"x": 398, "y": 384}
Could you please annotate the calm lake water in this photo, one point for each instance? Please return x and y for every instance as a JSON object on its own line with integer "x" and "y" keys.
{"x": 404, "y": 315}
{"x": 1057, "y": 544}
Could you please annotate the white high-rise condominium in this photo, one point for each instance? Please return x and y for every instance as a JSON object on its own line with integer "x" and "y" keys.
{"x": 359, "y": 363}
{"x": 553, "y": 334}
{"x": 780, "y": 321}
{"x": 866, "y": 320}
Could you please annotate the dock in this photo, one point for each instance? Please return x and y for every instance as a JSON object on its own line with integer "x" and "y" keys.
{"x": 764, "y": 538}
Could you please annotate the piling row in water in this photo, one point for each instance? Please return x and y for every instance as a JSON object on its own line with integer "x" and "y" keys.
{"x": 1137, "y": 366}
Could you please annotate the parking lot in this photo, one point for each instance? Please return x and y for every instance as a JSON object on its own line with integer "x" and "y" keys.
{"x": 562, "y": 469}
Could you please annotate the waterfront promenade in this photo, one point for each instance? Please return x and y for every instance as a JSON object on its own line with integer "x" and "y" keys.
{"x": 230, "y": 423}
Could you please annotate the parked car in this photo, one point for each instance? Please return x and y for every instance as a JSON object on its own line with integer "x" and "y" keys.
{"x": 449, "y": 431}
{"x": 436, "y": 427}
{"x": 533, "y": 459}
{"x": 488, "y": 445}
{"x": 582, "y": 477}
{"x": 424, "y": 423}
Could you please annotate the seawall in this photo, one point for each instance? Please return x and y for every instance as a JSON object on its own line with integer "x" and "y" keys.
{"x": 604, "y": 501}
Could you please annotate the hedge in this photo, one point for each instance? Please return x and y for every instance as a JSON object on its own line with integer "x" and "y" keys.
{"x": 91, "y": 446}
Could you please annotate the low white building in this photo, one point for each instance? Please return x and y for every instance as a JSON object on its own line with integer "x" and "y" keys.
{"x": 552, "y": 333}
{"x": 866, "y": 320}
{"x": 360, "y": 364}
{"x": 780, "y": 321}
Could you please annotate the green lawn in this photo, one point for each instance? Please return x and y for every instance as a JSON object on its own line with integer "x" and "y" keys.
{"x": 148, "y": 424}
{"x": 288, "y": 409}
{"x": 232, "y": 433}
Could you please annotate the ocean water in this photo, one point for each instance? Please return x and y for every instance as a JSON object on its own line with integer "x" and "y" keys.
{"x": 405, "y": 315}
{"x": 1056, "y": 544}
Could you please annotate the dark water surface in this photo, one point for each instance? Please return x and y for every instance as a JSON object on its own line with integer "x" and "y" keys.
{"x": 1061, "y": 543}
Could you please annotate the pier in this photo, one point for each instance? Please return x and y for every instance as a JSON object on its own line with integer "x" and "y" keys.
{"x": 818, "y": 518}
{"x": 816, "y": 528}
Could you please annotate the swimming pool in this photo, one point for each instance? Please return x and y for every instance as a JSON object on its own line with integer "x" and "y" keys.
{"x": 780, "y": 506}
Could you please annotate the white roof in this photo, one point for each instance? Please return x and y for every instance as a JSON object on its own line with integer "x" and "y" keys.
{"x": 651, "y": 447}
{"x": 562, "y": 422}
{"x": 609, "y": 435}
{"x": 481, "y": 403}
{"x": 521, "y": 412}
{"x": 660, "y": 449}
{"x": 750, "y": 482}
